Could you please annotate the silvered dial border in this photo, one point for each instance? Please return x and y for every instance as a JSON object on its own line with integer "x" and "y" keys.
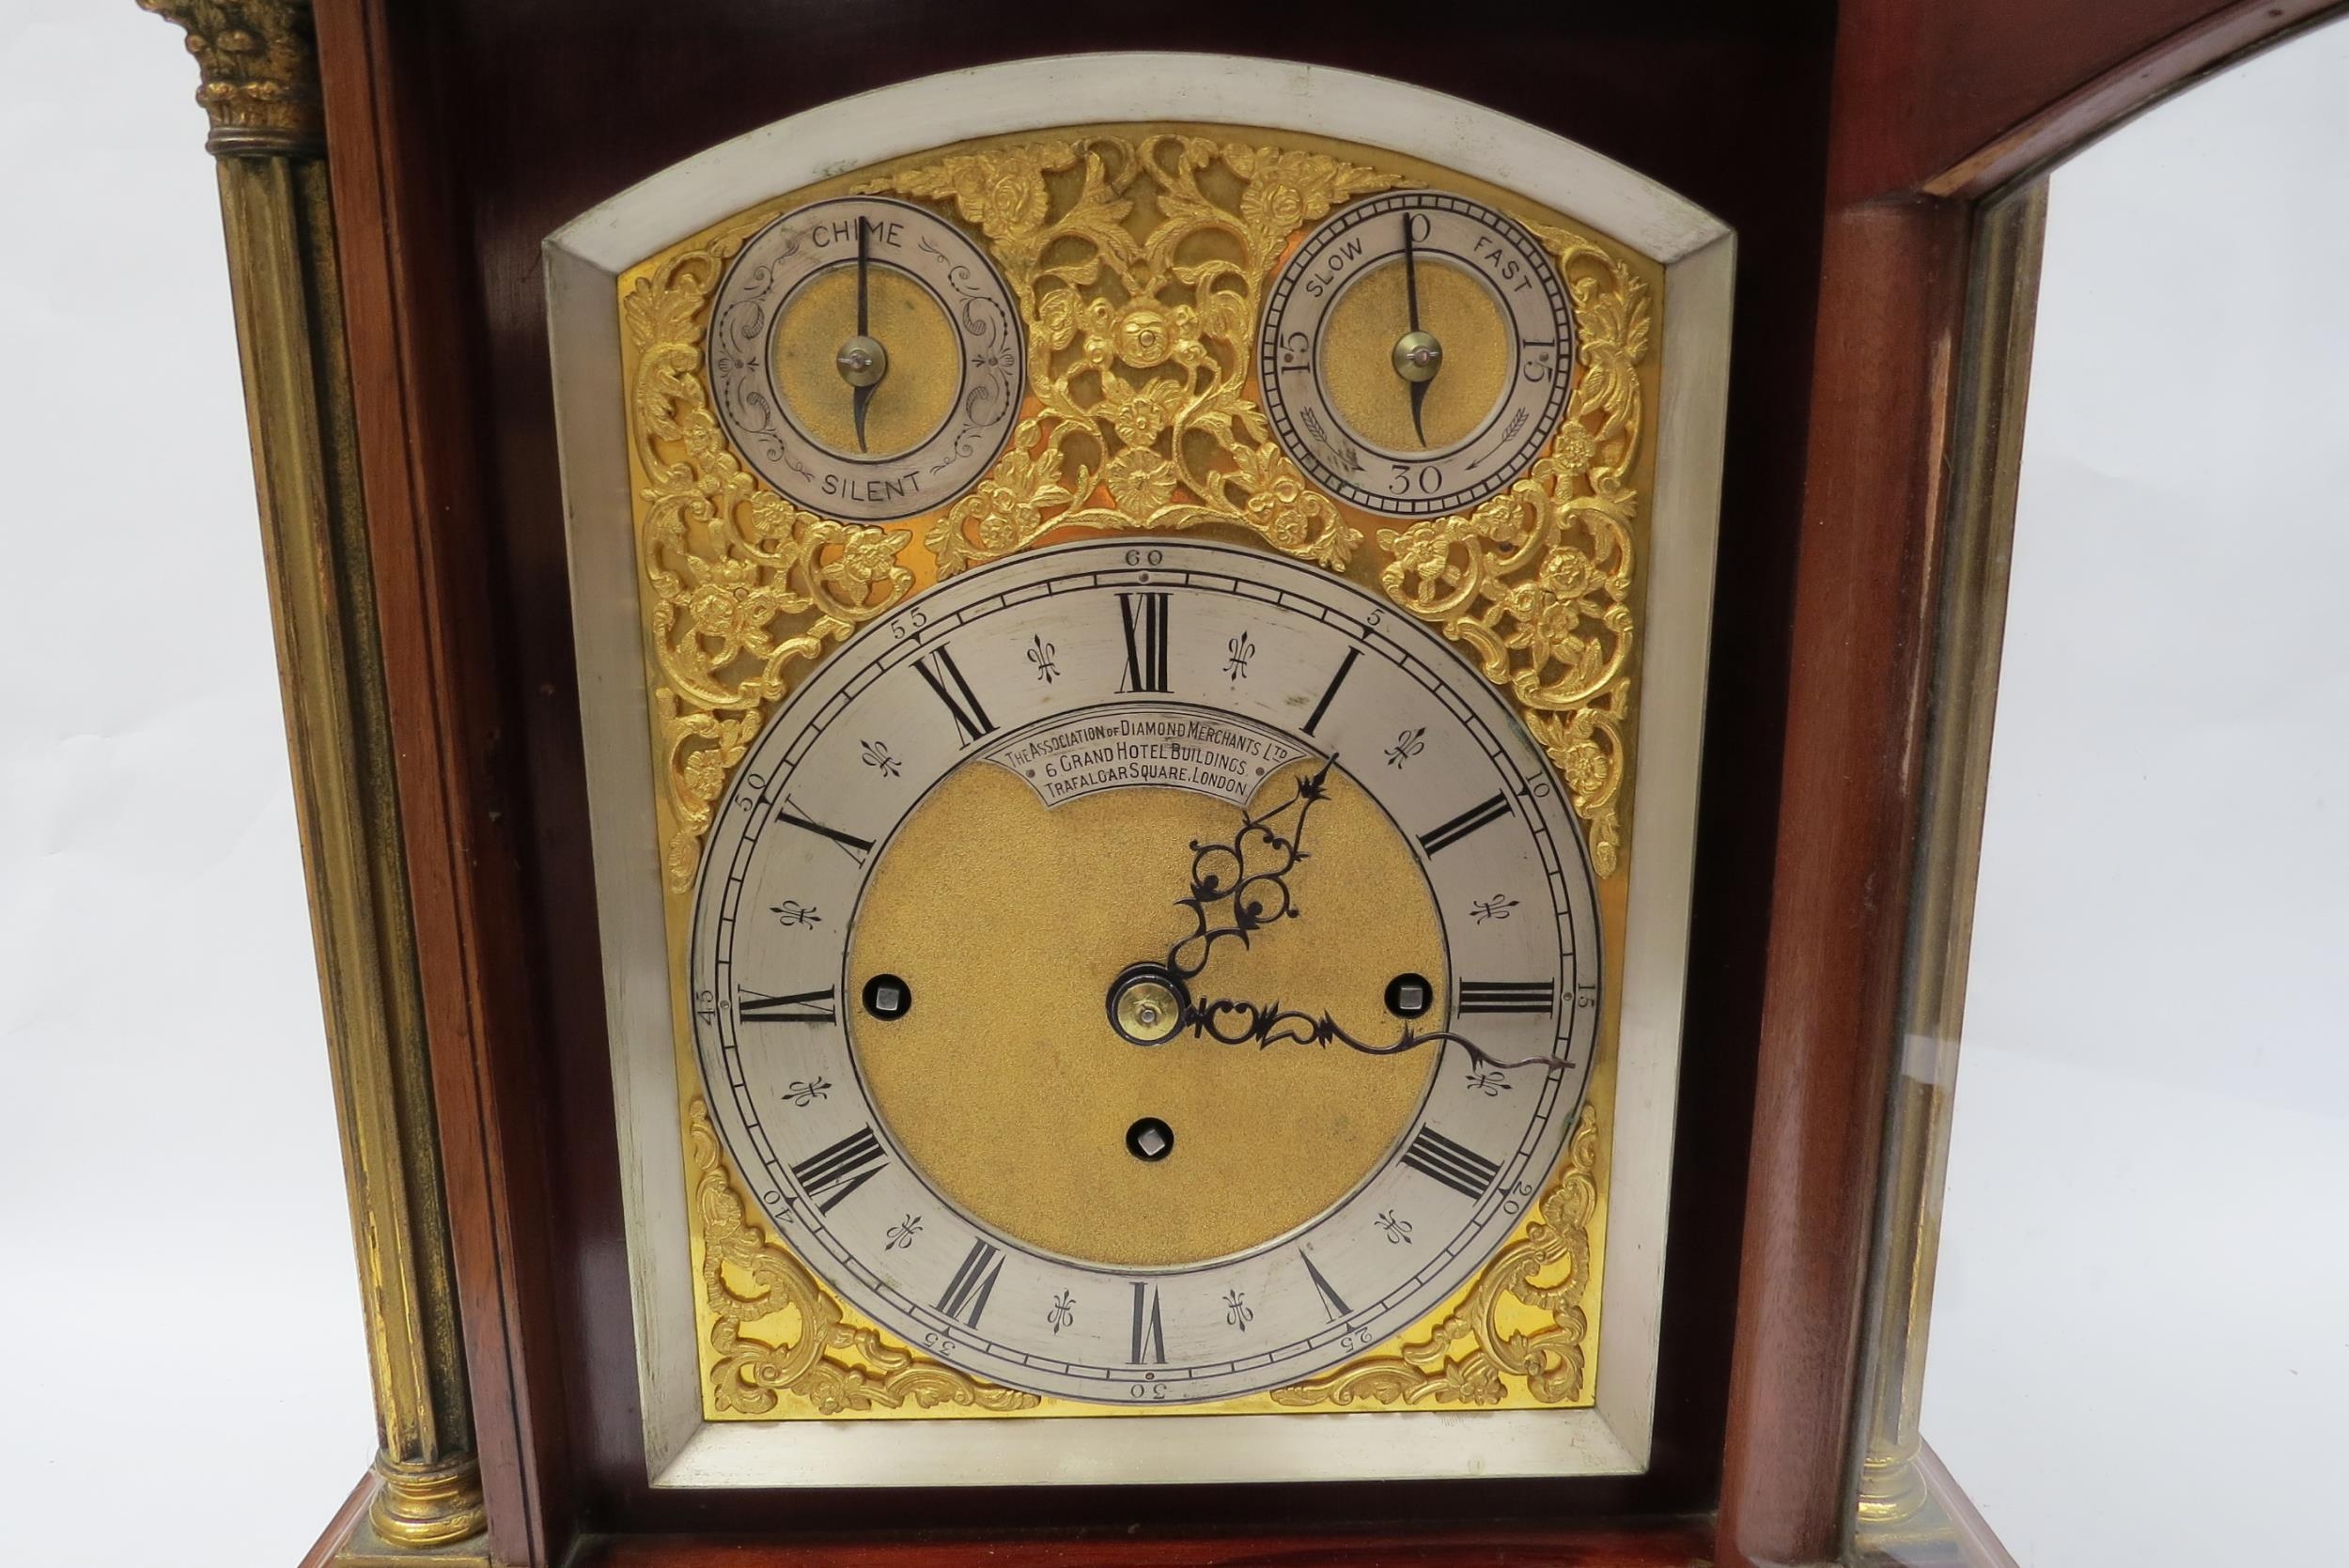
{"x": 778, "y": 471}
{"x": 1507, "y": 463}
{"x": 1100, "y": 567}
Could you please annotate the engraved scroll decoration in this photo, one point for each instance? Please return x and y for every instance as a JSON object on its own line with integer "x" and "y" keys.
{"x": 1139, "y": 267}
{"x": 1537, "y": 581}
{"x": 1139, "y": 264}
{"x": 1538, "y": 1277}
{"x": 748, "y": 1281}
{"x": 743, "y": 583}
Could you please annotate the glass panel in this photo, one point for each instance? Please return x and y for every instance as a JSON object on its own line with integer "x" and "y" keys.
{"x": 2138, "y": 1314}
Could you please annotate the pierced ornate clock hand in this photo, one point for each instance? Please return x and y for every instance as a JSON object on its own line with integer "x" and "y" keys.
{"x": 1251, "y": 874}
{"x": 861, "y": 361}
{"x": 1257, "y": 890}
{"x": 1240, "y": 1023}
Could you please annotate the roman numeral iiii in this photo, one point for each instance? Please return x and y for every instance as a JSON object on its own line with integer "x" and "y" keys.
{"x": 1458, "y": 1166}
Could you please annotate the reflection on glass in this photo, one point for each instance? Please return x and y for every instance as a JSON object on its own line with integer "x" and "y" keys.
{"x": 2133, "y": 1262}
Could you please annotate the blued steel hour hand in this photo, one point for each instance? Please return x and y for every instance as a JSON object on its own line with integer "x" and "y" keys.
{"x": 1240, "y": 885}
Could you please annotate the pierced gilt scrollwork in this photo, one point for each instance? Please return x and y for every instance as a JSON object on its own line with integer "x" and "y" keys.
{"x": 1523, "y": 1318}
{"x": 743, "y": 583}
{"x": 753, "y": 1287}
{"x": 1536, "y": 583}
{"x": 1138, "y": 264}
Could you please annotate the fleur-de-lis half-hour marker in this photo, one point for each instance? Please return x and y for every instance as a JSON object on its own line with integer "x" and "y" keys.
{"x": 1040, "y": 655}
{"x": 1242, "y": 649}
{"x": 1236, "y": 1312}
{"x": 876, "y": 756}
{"x": 1398, "y": 1231}
{"x": 1495, "y": 907}
{"x": 796, "y": 914}
{"x": 805, "y": 1092}
{"x": 904, "y": 1231}
{"x": 1406, "y": 745}
{"x": 1488, "y": 1084}
{"x": 1063, "y": 1313}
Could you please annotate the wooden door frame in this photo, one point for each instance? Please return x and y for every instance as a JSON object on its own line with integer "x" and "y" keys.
{"x": 1937, "y": 111}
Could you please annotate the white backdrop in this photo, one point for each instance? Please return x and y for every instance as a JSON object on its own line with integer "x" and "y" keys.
{"x": 2140, "y": 1342}
{"x": 179, "y": 1335}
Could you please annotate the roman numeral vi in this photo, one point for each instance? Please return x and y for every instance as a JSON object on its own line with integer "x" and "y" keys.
{"x": 1149, "y": 1333}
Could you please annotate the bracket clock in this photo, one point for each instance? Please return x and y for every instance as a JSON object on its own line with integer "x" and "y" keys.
{"x": 1127, "y": 788}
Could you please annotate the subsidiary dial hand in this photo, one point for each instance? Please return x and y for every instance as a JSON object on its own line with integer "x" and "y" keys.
{"x": 861, "y": 361}
{"x": 1417, "y": 354}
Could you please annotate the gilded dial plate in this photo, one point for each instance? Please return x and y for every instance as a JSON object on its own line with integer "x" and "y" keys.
{"x": 927, "y": 877}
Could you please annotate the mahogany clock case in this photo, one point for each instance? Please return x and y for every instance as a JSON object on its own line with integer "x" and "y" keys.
{"x": 542, "y": 143}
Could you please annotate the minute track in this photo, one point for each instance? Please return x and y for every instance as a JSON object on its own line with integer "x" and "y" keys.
{"x": 1307, "y": 624}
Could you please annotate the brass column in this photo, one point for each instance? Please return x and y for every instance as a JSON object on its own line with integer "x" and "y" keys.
{"x": 259, "y": 85}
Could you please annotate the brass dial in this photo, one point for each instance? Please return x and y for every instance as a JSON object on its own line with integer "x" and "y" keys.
{"x": 1145, "y": 972}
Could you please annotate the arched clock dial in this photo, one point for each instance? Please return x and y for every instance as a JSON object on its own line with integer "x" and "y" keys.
{"x": 1145, "y": 973}
{"x": 865, "y": 358}
{"x": 1416, "y": 352}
